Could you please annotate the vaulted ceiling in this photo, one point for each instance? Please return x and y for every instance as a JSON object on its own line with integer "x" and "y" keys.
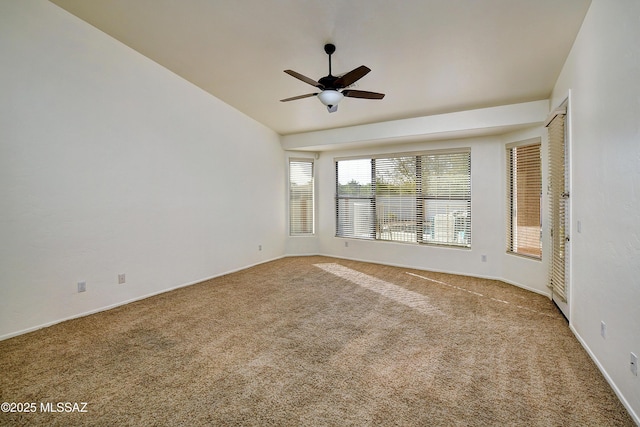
{"x": 428, "y": 56}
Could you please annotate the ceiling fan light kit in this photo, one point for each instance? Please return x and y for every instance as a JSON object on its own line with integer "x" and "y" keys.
{"x": 330, "y": 97}
{"x": 330, "y": 86}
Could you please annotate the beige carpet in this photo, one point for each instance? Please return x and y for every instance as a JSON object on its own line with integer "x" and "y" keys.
{"x": 315, "y": 341}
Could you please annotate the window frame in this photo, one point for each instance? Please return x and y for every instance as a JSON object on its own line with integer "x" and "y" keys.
{"x": 421, "y": 199}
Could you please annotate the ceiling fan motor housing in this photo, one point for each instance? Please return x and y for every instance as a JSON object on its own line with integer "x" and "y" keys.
{"x": 328, "y": 82}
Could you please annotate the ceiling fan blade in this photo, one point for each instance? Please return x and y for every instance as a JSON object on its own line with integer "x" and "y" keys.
{"x": 293, "y": 98}
{"x": 362, "y": 94}
{"x": 351, "y": 77}
{"x": 332, "y": 108}
{"x": 304, "y": 78}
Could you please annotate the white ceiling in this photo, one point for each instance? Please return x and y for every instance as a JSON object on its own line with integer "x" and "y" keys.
{"x": 428, "y": 56}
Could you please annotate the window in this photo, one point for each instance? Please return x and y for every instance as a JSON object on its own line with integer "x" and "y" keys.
{"x": 524, "y": 192}
{"x": 300, "y": 197}
{"x": 412, "y": 198}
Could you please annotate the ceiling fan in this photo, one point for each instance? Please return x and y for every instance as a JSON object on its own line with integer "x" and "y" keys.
{"x": 332, "y": 88}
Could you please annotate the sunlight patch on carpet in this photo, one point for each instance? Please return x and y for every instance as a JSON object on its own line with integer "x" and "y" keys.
{"x": 479, "y": 294}
{"x": 396, "y": 293}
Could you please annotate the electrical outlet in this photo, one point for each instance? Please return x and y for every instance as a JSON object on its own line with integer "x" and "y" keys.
{"x": 603, "y": 329}
{"x": 483, "y": 258}
{"x": 82, "y": 286}
{"x": 346, "y": 244}
{"x": 121, "y": 279}
{"x": 634, "y": 364}
{"x": 259, "y": 247}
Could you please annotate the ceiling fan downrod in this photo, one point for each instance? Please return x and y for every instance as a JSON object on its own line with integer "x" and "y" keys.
{"x": 329, "y": 49}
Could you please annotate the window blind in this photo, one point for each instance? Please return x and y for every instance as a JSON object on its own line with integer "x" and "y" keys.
{"x": 301, "y": 204}
{"x": 413, "y": 198}
{"x": 446, "y": 188}
{"x": 396, "y": 199}
{"x": 355, "y": 201}
{"x": 524, "y": 191}
{"x": 557, "y": 204}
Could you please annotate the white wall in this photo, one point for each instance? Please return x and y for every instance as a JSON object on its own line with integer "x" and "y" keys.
{"x": 603, "y": 74}
{"x": 111, "y": 164}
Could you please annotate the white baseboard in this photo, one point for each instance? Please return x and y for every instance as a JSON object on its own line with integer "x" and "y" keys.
{"x": 604, "y": 372}
{"x": 125, "y": 302}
